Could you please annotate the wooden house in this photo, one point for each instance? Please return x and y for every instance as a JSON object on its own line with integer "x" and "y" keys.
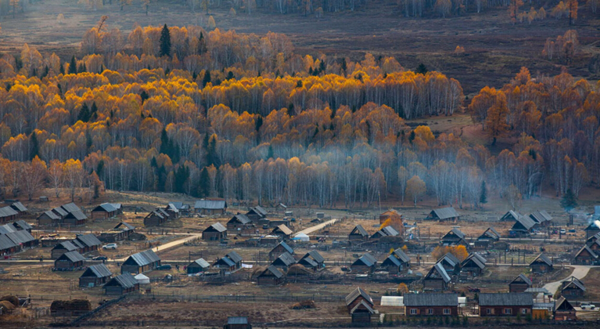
{"x": 387, "y": 231}
{"x": 505, "y": 304}
{"x": 256, "y": 214}
{"x": 564, "y": 311}
{"x": 239, "y": 221}
{"x": 19, "y": 208}
{"x": 488, "y": 237}
{"x": 172, "y": 210}
{"x": 89, "y": 242}
{"x": 48, "y": 218}
{"x": 270, "y": 276}
{"x": 8, "y": 214}
{"x": 22, "y": 239}
{"x": 63, "y": 247}
{"x": 69, "y": 261}
{"x": 511, "y": 216}
{"x": 358, "y": 233}
{"x": 231, "y": 262}
{"x": 541, "y": 217}
{"x": 94, "y": 276}
{"x": 473, "y": 265}
{"x": 198, "y": 266}
{"x": 312, "y": 260}
{"x": 586, "y": 256}
{"x": 75, "y": 218}
{"x": 454, "y": 238}
{"x": 215, "y": 232}
{"x": 120, "y": 232}
{"x": 282, "y": 231}
{"x": 7, "y": 246}
{"x": 210, "y": 207}
{"x": 106, "y": 210}
{"x": 437, "y": 278}
{"x": 360, "y": 306}
{"x": 365, "y": 264}
{"x": 284, "y": 261}
{"x": 122, "y": 284}
{"x": 155, "y": 218}
{"x": 237, "y": 322}
{"x": 430, "y": 304}
{"x": 141, "y": 262}
{"x": 522, "y": 227}
{"x": 572, "y": 287}
{"x": 22, "y": 225}
{"x": 450, "y": 263}
{"x": 541, "y": 264}
{"x": 520, "y": 284}
{"x": 279, "y": 249}
{"x": 443, "y": 214}
{"x": 592, "y": 229}
{"x": 396, "y": 262}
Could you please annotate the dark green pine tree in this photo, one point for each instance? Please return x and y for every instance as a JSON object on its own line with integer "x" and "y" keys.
{"x": 164, "y": 142}
{"x": 62, "y": 68}
{"x": 144, "y": 96}
{"x": 100, "y": 168}
{"x": 202, "y": 45}
{"x": 421, "y": 69}
{"x": 206, "y": 78}
{"x": 73, "y": 66}
{"x": 35, "y": 145}
{"x": 483, "y": 194}
{"x": 94, "y": 111}
{"x": 45, "y": 72}
{"x": 569, "y": 200}
{"x": 211, "y": 152}
{"x": 84, "y": 113}
{"x": 165, "y": 42}
{"x": 181, "y": 176}
{"x": 82, "y": 68}
{"x": 204, "y": 186}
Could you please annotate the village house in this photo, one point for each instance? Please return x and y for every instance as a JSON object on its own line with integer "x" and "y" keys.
{"x": 48, "y": 218}
{"x": 436, "y": 279}
{"x": 22, "y": 225}
{"x": 564, "y": 311}
{"x": 63, "y": 247}
{"x": 210, "y": 207}
{"x": 541, "y": 264}
{"x": 141, "y": 262}
{"x": 16, "y": 240}
{"x": 386, "y": 231}
{"x": 239, "y": 221}
{"x": 585, "y": 256}
{"x": 8, "y": 214}
{"x": 256, "y": 214}
{"x": 572, "y": 287}
{"x": 505, "y": 304}
{"x": 270, "y": 276}
{"x": 473, "y": 265}
{"x": 94, "y": 276}
{"x": 522, "y": 227}
{"x": 312, "y": 260}
{"x": 358, "y": 234}
{"x": 215, "y": 232}
{"x": 450, "y": 263}
{"x": 454, "y": 238}
{"x": 520, "y": 284}
{"x": 281, "y": 248}
{"x": 198, "y": 266}
{"x": 155, "y": 218}
{"x": 122, "y": 284}
{"x": 74, "y": 218}
{"x": 89, "y": 242}
{"x": 360, "y": 306}
{"x": 69, "y": 261}
{"x": 429, "y": 304}
{"x": 282, "y": 231}
{"x": 396, "y": 262}
{"x": 541, "y": 217}
{"x": 284, "y": 261}
{"x": 593, "y": 240}
{"x": 120, "y": 232}
{"x": 592, "y": 229}
{"x": 365, "y": 264}
{"x": 511, "y": 216}
{"x": 488, "y": 237}
{"x": 172, "y": 210}
{"x": 107, "y": 210}
{"x": 7, "y": 246}
{"x": 231, "y": 262}
{"x": 19, "y": 208}
{"x": 237, "y": 322}
{"x": 443, "y": 214}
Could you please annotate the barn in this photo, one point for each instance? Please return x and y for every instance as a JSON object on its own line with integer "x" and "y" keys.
{"x": 210, "y": 207}
{"x": 120, "y": 285}
{"x": 141, "y": 262}
{"x": 443, "y": 214}
{"x": 106, "y": 210}
{"x": 215, "y": 232}
{"x": 94, "y": 276}
{"x": 69, "y": 261}
{"x": 270, "y": 276}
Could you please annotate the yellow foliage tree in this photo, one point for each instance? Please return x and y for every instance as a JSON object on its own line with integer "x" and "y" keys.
{"x": 415, "y": 187}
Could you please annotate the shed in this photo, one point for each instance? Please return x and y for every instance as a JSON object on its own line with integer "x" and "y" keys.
{"x": 215, "y": 232}
{"x": 473, "y": 265}
{"x": 541, "y": 217}
{"x": 281, "y": 248}
{"x": 89, "y": 241}
{"x": 454, "y": 238}
{"x": 270, "y": 276}
{"x": 210, "y": 206}
{"x": 510, "y": 216}
{"x": 18, "y": 207}
{"x": 62, "y": 248}
{"x": 282, "y": 231}
{"x": 75, "y": 217}
{"x": 446, "y": 213}
{"x": 284, "y": 261}
{"x": 231, "y": 262}
{"x": 69, "y": 261}
{"x": 8, "y": 214}
{"x": 358, "y": 233}
{"x": 520, "y": 283}
{"x": 154, "y": 218}
{"x": 257, "y": 213}
{"x": 48, "y": 218}
{"x": 522, "y": 227}
{"x": 384, "y": 232}
{"x": 365, "y": 264}
{"x": 239, "y": 221}
{"x": 198, "y": 266}
{"x": 106, "y": 210}
{"x": 431, "y": 304}
{"x": 356, "y": 296}
{"x": 488, "y": 236}
{"x": 122, "y": 284}
{"x": 572, "y": 287}
{"x": 95, "y": 275}
{"x": 450, "y": 263}
{"x": 313, "y": 260}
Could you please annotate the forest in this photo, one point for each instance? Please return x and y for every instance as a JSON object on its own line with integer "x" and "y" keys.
{"x": 242, "y": 116}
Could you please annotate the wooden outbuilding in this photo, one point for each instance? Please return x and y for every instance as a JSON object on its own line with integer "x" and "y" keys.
{"x": 473, "y": 265}
{"x": 437, "y": 278}
{"x": 505, "y": 304}
{"x": 8, "y": 214}
{"x": 69, "y": 261}
{"x": 63, "y": 247}
{"x": 22, "y": 225}
{"x": 48, "y": 218}
{"x": 541, "y": 264}
{"x": 155, "y": 218}
{"x": 454, "y": 238}
{"x": 120, "y": 232}
{"x": 89, "y": 242}
{"x": 443, "y": 214}
{"x": 488, "y": 237}
{"x": 572, "y": 287}
{"x": 393, "y": 218}
{"x": 231, "y": 262}
{"x": 541, "y": 217}
{"x": 141, "y": 262}
{"x": 239, "y": 221}
{"x": 215, "y": 232}
{"x": 520, "y": 284}
{"x": 256, "y": 214}
{"x": 387, "y": 231}
{"x": 430, "y": 304}
{"x": 564, "y": 311}
{"x": 450, "y": 263}
{"x": 586, "y": 256}
{"x": 198, "y": 266}
{"x": 360, "y": 306}
{"x": 19, "y": 208}
{"x": 106, "y": 210}
{"x": 396, "y": 262}
{"x": 270, "y": 276}
{"x": 75, "y": 218}
{"x": 312, "y": 260}
{"x": 122, "y": 284}
{"x": 94, "y": 276}
{"x": 358, "y": 233}
{"x": 511, "y": 216}
{"x": 592, "y": 229}
{"x": 282, "y": 231}
{"x": 284, "y": 261}
{"x": 210, "y": 206}
{"x": 522, "y": 227}
{"x": 7, "y": 246}
{"x": 365, "y": 264}
{"x": 279, "y": 249}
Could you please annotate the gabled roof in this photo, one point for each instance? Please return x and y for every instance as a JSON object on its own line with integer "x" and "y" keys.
{"x": 445, "y": 213}
{"x": 391, "y": 260}
{"x": 172, "y": 207}
{"x": 18, "y": 206}
{"x": 20, "y": 237}
{"x": 144, "y": 258}
{"x": 315, "y": 255}
{"x": 240, "y": 218}
{"x": 364, "y": 305}
{"x": 456, "y": 232}
{"x": 588, "y": 249}
{"x": 426, "y": 299}
{"x": 60, "y": 211}
{"x": 7, "y": 228}
{"x": 234, "y": 256}
{"x": 283, "y": 229}
{"x": 390, "y": 231}
{"x": 522, "y": 277}
{"x": 70, "y": 207}
{"x": 542, "y": 258}
{"x": 77, "y": 215}
{"x": 594, "y": 226}
{"x": 308, "y": 261}
{"x": 367, "y": 260}
{"x": 180, "y": 205}
{"x": 285, "y": 259}
{"x": 124, "y": 227}
{"x": 401, "y": 255}
{"x": 359, "y": 230}
{"x": 490, "y": 233}
{"x": 225, "y": 260}
{"x": 526, "y": 222}
{"x": 125, "y": 280}
{"x": 202, "y": 263}
{"x": 6, "y": 243}
{"x": 210, "y": 204}
{"x": 540, "y": 216}
{"x": 155, "y": 213}
{"x": 7, "y": 212}
{"x": 217, "y": 227}
{"x": 441, "y": 272}
{"x": 450, "y": 259}
{"x": 67, "y": 245}
{"x": 98, "y": 271}
{"x": 474, "y": 259}
{"x": 506, "y": 299}
{"x": 22, "y": 225}
{"x": 89, "y": 240}
{"x": 259, "y": 211}
{"x": 50, "y": 214}
{"x": 562, "y": 304}
{"x": 286, "y": 247}
{"x": 106, "y": 207}
{"x": 575, "y": 283}
{"x": 511, "y": 213}
{"x": 358, "y": 292}
{"x": 73, "y": 256}
{"x": 78, "y": 244}
{"x": 273, "y": 271}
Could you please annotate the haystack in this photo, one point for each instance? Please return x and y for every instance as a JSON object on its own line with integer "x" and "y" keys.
{"x": 304, "y": 305}
{"x": 298, "y": 269}
{"x": 71, "y": 305}
{"x": 6, "y": 306}
{"x": 12, "y": 299}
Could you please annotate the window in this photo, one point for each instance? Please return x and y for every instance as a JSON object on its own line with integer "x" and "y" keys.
{"x": 429, "y": 311}
{"x": 446, "y": 311}
{"x": 523, "y": 311}
{"x": 413, "y": 311}
{"x": 488, "y": 311}
{"x": 508, "y": 311}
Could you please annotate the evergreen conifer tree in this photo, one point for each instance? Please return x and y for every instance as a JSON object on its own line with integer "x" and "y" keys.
{"x": 165, "y": 42}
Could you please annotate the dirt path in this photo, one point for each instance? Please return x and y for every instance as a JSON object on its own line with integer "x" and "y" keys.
{"x": 578, "y": 271}
{"x": 311, "y": 229}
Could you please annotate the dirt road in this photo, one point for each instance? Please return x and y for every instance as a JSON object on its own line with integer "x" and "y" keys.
{"x": 579, "y": 272}
{"x": 311, "y": 229}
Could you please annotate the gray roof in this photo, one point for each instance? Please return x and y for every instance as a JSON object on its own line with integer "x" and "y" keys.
{"x": 490, "y": 233}
{"x": 51, "y": 214}
{"x": 126, "y": 226}
{"x": 285, "y": 259}
{"x": 22, "y": 225}
{"x": 286, "y": 247}
{"x": 89, "y": 240}
{"x": 401, "y": 255}
{"x": 273, "y": 270}
{"x": 202, "y": 263}
{"x": 107, "y": 207}
{"x": 506, "y": 299}
{"x": 563, "y": 304}
{"x": 440, "y": 270}
{"x": 20, "y": 237}
{"x": 363, "y": 304}
{"x": 431, "y": 299}
{"x": 77, "y": 214}
{"x": 475, "y": 259}
{"x": 145, "y": 257}
{"x": 216, "y": 227}
{"x": 18, "y": 206}
{"x": 450, "y": 259}
{"x": 542, "y": 258}
{"x": 576, "y": 283}
{"x": 6, "y": 243}
{"x": 390, "y": 231}
{"x": 523, "y": 278}
{"x": 60, "y": 211}
{"x": 7, "y": 228}
{"x": 210, "y": 204}
{"x": 7, "y": 212}
{"x": 241, "y": 218}
{"x": 260, "y": 210}
{"x": 98, "y": 271}
{"x": 511, "y": 213}
{"x": 308, "y": 261}
{"x": 358, "y": 292}
{"x": 125, "y": 280}
{"x": 70, "y": 207}
{"x": 315, "y": 255}
{"x": 172, "y": 207}
{"x": 541, "y": 216}
{"x": 527, "y": 222}
{"x": 180, "y": 205}
{"x": 393, "y": 260}
{"x": 73, "y": 256}
{"x": 358, "y": 229}
{"x": 67, "y": 245}
{"x": 234, "y": 256}
{"x": 367, "y": 259}
{"x": 226, "y": 260}
{"x": 237, "y": 320}
{"x": 445, "y": 213}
